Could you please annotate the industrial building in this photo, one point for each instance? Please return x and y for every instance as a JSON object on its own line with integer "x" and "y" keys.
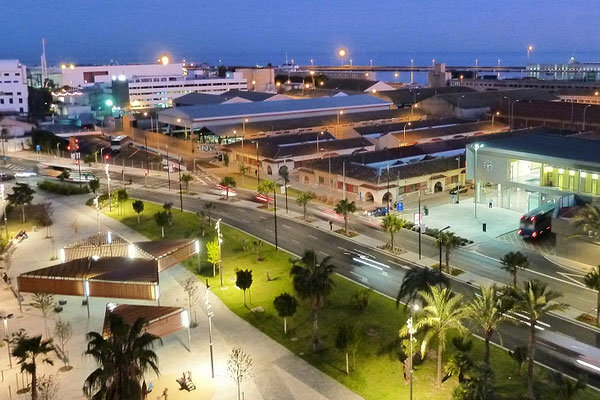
{"x": 13, "y": 87}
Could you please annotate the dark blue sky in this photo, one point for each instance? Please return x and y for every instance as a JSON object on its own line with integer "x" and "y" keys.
{"x": 255, "y": 31}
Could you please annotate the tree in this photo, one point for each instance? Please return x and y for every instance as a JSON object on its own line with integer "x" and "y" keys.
{"x": 228, "y": 182}
{"x": 442, "y": 314}
{"x": 392, "y": 223}
{"x": 239, "y": 366}
{"x": 345, "y": 208}
{"x": 303, "y": 199}
{"x": 458, "y": 364}
{"x": 345, "y": 336}
{"x": 94, "y": 185}
{"x": 266, "y": 188}
{"x": 244, "y": 169}
{"x": 187, "y": 178}
{"x": 286, "y": 306}
{"x": 284, "y": 174}
{"x": 122, "y": 196}
{"x": 47, "y": 387}
{"x": 168, "y": 206}
{"x": 138, "y": 207}
{"x": 123, "y": 358}
{"x": 512, "y": 262}
{"x": 589, "y": 220}
{"x": 213, "y": 254}
{"x": 209, "y": 207}
{"x": 448, "y": 241}
{"x": 27, "y": 350}
{"x": 243, "y": 280}
{"x": 64, "y": 175}
{"x": 479, "y": 386}
{"x": 190, "y": 288}
{"x": 536, "y": 301}
{"x": 417, "y": 280}
{"x": 256, "y": 245}
{"x": 489, "y": 312}
{"x": 46, "y": 218}
{"x": 566, "y": 388}
{"x": 22, "y": 194}
{"x": 45, "y": 303}
{"x": 312, "y": 282}
{"x": 592, "y": 281}
{"x": 162, "y": 219}
{"x": 519, "y": 355}
{"x": 63, "y": 331}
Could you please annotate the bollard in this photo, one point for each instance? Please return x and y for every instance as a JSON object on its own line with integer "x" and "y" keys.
{"x": 484, "y": 227}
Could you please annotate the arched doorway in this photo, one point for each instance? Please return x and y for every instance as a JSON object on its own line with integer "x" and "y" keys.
{"x": 438, "y": 187}
{"x": 386, "y": 197}
{"x": 369, "y": 197}
{"x": 269, "y": 170}
{"x": 306, "y": 180}
{"x": 282, "y": 169}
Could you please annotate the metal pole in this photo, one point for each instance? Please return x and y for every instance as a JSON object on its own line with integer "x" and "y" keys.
{"x": 329, "y": 183}
{"x": 147, "y": 171}
{"x": 584, "y": 110}
{"x": 180, "y": 192}
{"x": 210, "y": 314}
{"x": 168, "y": 167}
{"x": 458, "y": 185}
{"x": 388, "y": 189}
{"x": 344, "y": 178}
{"x": 257, "y": 167}
{"x": 475, "y": 181}
{"x": 440, "y": 243}
{"x": 420, "y": 224}
{"x": 275, "y": 215}
{"x": 411, "y": 359}
{"x": 79, "y": 166}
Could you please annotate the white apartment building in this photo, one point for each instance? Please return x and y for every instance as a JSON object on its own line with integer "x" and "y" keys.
{"x": 78, "y": 76}
{"x": 159, "y": 91}
{"x": 13, "y": 87}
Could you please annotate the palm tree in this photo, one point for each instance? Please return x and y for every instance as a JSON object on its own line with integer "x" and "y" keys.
{"x": 312, "y": 282}
{"x": 123, "y": 358}
{"x": 303, "y": 199}
{"x": 392, "y": 224}
{"x": 419, "y": 279}
{"x": 243, "y": 172}
{"x": 592, "y": 281}
{"x": 458, "y": 364}
{"x": 265, "y": 188}
{"x": 442, "y": 314}
{"x": 228, "y": 182}
{"x": 589, "y": 220}
{"x": 345, "y": 208}
{"x": 536, "y": 301}
{"x": 512, "y": 262}
{"x": 448, "y": 241}
{"x": 566, "y": 388}
{"x": 284, "y": 174}
{"x": 488, "y": 311}
{"x": 187, "y": 178}
{"x": 209, "y": 207}
{"x": 27, "y": 350}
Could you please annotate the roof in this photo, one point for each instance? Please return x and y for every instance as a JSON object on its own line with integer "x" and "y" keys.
{"x": 408, "y": 96}
{"x": 552, "y": 110}
{"x": 97, "y": 240}
{"x": 197, "y": 98}
{"x": 490, "y": 98}
{"x": 131, "y": 313}
{"x": 548, "y": 145}
{"x": 456, "y": 131}
{"x": 358, "y": 85}
{"x": 116, "y": 269}
{"x": 241, "y": 110}
{"x": 397, "y": 127}
{"x": 162, "y": 248}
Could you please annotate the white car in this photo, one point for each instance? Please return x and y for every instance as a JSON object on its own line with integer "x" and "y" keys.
{"x": 25, "y": 174}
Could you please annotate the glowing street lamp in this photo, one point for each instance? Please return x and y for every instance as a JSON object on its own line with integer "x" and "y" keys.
{"x": 529, "y": 50}
{"x": 342, "y": 54}
{"x": 404, "y": 134}
{"x": 411, "y": 331}
{"x": 164, "y": 59}
{"x": 494, "y": 115}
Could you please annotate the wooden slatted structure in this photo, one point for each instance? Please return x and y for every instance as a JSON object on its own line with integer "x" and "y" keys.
{"x": 168, "y": 252}
{"x": 160, "y": 321}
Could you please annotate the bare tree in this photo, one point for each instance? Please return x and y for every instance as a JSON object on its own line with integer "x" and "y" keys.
{"x": 63, "y": 332}
{"x": 48, "y": 387}
{"x": 191, "y": 289}
{"x": 45, "y": 303}
{"x": 75, "y": 226}
{"x": 239, "y": 366}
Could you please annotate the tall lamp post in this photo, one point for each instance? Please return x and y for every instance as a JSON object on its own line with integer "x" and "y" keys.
{"x": 493, "y": 117}
{"x": 458, "y": 185}
{"x": 340, "y": 113}
{"x": 529, "y": 50}
{"x": 420, "y": 222}
{"x": 584, "y": 110}
{"x": 476, "y": 148}
{"x": 4, "y": 201}
{"x": 108, "y": 186}
{"x": 220, "y": 239}
{"x": 459, "y": 99}
{"x": 210, "y": 314}
{"x": 243, "y": 132}
{"x": 275, "y": 215}
{"x": 411, "y": 331}
{"x": 180, "y": 192}
{"x": 404, "y": 133}
{"x": 512, "y": 113}
{"x": 257, "y": 165}
{"x": 440, "y": 243}
{"x": 5, "y": 319}
{"x": 342, "y": 54}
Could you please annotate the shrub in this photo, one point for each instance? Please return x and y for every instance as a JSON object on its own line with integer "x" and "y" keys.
{"x": 361, "y": 299}
{"x": 64, "y": 189}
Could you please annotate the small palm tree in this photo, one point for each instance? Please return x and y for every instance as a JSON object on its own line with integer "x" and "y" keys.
{"x": 243, "y": 281}
{"x": 123, "y": 359}
{"x": 229, "y": 183}
{"x": 27, "y": 350}
{"x": 458, "y": 364}
{"x": 442, "y": 314}
{"x": 94, "y": 185}
{"x": 536, "y": 301}
{"x": 162, "y": 218}
{"x": 187, "y": 178}
{"x": 566, "y": 388}
{"x": 512, "y": 262}
{"x": 419, "y": 279}
{"x": 138, "y": 207}
{"x": 284, "y": 174}
{"x": 589, "y": 220}
{"x": 448, "y": 241}
{"x": 122, "y": 196}
{"x": 244, "y": 169}
{"x": 266, "y": 188}
{"x": 345, "y": 208}
{"x": 303, "y": 199}
{"x": 592, "y": 281}
{"x": 312, "y": 281}
{"x": 209, "y": 207}
{"x": 488, "y": 311}
{"x": 392, "y": 223}
{"x": 286, "y": 305}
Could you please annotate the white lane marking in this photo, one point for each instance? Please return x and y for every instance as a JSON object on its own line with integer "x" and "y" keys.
{"x": 286, "y": 226}
{"x": 400, "y": 265}
{"x": 312, "y": 237}
{"x": 362, "y": 278}
{"x": 363, "y": 261}
{"x": 268, "y": 230}
{"x": 325, "y": 254}
{"x": 295, "y": 241}
{"x": 572, "y": 277}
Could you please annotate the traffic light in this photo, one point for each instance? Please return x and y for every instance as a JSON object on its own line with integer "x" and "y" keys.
{"x": 107, "y": 157}
{"x": 69, "y": 147}
{"x": 146, "y": 172}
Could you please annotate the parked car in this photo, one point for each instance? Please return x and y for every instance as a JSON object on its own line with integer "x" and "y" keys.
{"x": 6, "y": 177}
{"x": 378, "y": 212}
{"x": 456, "y": 190}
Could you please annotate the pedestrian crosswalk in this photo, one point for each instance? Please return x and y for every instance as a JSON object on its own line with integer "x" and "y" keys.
{"x": 14, "y": 167}
{"x": 202, "y": 179}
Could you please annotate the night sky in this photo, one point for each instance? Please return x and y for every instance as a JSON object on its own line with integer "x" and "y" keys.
{"x": 247, "y": 31}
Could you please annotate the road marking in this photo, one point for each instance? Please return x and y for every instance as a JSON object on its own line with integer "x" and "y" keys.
{"x": 286, "y": 226}
{"x": 264, "y": 218}
{"x": 572, "y": 278}
{"x": 268, "y": 230}
{"x": 295, "y": 241}
{"x": 400, "y": 265}
{"x": 362, "y": 278}
{"x": 325, "y": 254}
{"x": 312, "y": 237}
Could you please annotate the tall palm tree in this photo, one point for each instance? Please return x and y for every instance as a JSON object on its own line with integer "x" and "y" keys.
{"x": 228, "y": 182}
{"x": 488, "y": 311}
{"x": 536, "y": 300}
{"x": 512, "y": 262}
{"x": 592, "y": 281}
{"x": 123, "y": 358}
{"x": 345, "y": 208}
{"x": 284, "y": 174}
{"x": 392, "y": 223}
{"x": 27, "y": 351}
{"x": 448, "y": 241}
{"x": 419, "y": 279}
{"x": 442, "y": 314}
{"x": 312, "y": 282}
{"x": 303, "y": 199}
{"x": 589, "y": 220}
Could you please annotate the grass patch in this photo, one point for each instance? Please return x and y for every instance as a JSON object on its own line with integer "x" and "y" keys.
{"x": 379, "y": 372}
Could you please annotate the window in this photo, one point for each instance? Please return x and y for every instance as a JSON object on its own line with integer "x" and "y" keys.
{"x": 10, "y": 101}
{"x": 321, "y": 180}
{"x": 1, "y": 101}
{"x": 20, "y": 101}
{"x": 17, "y": 74}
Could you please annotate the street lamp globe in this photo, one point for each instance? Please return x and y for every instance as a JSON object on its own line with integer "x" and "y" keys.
{"x": 178, "y": 120}
{"x": 342, "y": 53}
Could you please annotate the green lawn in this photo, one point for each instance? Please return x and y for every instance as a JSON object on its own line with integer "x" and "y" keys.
{"x": 378, "y": 373}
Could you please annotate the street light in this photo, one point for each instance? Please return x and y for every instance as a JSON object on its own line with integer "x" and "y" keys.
{"x": 342, "y": 54}
{"x": 459, "y": 99}
{"x": 493, "y": 115}
{"x": 411, "y": 331}
{"x": 151, "y": 121}
{"x": 440, "y": 240}
{"x": 512, "y": 112}
{"x": 340, "y": 113}
{"x": 243, "y": 132}
{"x": 458, "y": 185}
{"x": 529, "y": 50}
{"x": 404, "y": 134}
{"x": 584, "y": 110}
{"x": 319, "y": 134}
{"x": 476, "y": 147}
{"x": 5, "y": 319}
